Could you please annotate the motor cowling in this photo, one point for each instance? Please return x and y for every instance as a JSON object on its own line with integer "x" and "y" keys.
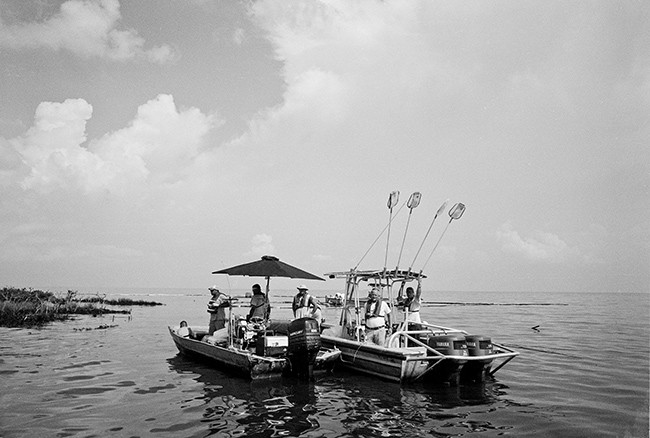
{"x": 449, "y": 345}
{"x": 478, "y": 345}
{"x": 477, "y": 370}
{"x": 304, "y": 344}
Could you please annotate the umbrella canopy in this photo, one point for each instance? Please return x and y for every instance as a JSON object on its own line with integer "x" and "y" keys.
{"x": 268, "y": 266}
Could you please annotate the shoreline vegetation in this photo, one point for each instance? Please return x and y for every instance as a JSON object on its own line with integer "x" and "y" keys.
{"x": 35, "y": 308}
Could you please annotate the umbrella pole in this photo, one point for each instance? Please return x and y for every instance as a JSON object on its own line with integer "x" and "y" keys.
{"x": 268, "y": 280}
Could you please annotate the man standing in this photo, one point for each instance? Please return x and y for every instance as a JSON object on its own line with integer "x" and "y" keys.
{"x": 217, "y": 309}
{"x": 304, "y": 304}
{"x": 377, "y": 318}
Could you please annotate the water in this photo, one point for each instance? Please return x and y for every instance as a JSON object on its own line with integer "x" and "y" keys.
{"x": 583, "y": 372}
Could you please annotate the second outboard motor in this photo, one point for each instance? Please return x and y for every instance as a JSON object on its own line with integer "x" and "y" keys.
{"x": 304, "y": 344}
{"x": 477, "y": 370}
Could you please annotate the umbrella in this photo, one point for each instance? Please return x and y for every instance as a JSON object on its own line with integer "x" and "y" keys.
{"x": 268, "y": 266}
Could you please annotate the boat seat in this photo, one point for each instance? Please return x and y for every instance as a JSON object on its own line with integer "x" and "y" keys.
{"x": 197, "y": 334}
{"x": 279, "y": 327}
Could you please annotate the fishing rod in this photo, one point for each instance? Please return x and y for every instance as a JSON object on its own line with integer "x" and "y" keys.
{"x": 438, "y": 213}
{"x": 393, "y": 198}
{"x": 380, "y": 234}
{"x": 413, "y": 202}
{"x": 440, "y": 210}
{"x": 454, "y": 213}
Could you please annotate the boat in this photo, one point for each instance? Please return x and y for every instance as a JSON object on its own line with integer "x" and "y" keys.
{"x": 257, "y": 348}
{"x": 258, "y": 353}
{"x": 413, "y": 351}
{"x": 335, "y": 300}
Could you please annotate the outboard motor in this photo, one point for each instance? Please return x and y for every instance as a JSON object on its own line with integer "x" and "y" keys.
{"x": 448, "y": 371}
{"x": 477, "y": 370}
{"x": 304, "y": 344}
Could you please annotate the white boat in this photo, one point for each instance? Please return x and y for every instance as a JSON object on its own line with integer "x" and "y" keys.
{"x": 413, "y": 352}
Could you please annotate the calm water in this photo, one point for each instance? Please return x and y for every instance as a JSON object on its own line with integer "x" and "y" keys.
{"x": 583, "y": 373}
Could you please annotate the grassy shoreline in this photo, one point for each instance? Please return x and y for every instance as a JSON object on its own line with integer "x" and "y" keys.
{"x": 35, "y": 308}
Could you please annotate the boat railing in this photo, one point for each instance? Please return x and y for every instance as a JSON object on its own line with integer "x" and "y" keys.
{"x": 403, "y": 337}
{"x": 509, "y": 355}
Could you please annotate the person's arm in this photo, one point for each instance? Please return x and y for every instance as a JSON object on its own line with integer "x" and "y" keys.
{"x": 400, "y": 294}
{"x": 418, "y": 292}
{"x": 389, "y": 318}
{"x": 294, "y": 305}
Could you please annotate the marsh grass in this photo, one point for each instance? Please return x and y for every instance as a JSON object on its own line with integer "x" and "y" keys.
{"x": 119, "y": 301}
{"x": 35, "y": 308}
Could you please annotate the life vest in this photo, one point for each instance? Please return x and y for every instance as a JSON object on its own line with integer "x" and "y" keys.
{"x": 300, "y": 301}
{"x": 411, "y": 305}
{"x": 376, "y": 310}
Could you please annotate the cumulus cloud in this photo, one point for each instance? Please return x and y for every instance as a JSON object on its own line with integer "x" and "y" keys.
{"x": 544, "y": 247}
{"x": 87, "y": 28}
{"x": 159, "y": 145}
{"x": 262, "y": 245}
{"x": 239, "y": 36}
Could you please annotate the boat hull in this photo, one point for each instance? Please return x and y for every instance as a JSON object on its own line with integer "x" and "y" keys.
{"x": 416, "y": 363}
{"x": 244, "y": 362}
{"x": 408, "y": 364}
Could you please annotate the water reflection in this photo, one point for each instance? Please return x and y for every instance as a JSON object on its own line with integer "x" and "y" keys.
{"x": 339, "y": 404}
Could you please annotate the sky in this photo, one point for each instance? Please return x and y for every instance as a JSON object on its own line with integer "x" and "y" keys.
{"x": 147, "y": 143}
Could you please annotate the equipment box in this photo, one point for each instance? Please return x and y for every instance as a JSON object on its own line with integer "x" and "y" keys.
{"x": 272, "y": 345}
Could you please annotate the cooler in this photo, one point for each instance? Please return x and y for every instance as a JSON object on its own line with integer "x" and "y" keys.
{"x": 271, "y": 345}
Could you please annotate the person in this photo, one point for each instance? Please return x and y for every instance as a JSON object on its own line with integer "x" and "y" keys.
{"x": 412, "y": 305}
{"x": 260, "y": 307}
{"x": 304, "y": 305}
{"x": 377, "y": 318}
{"x": 184, "y": 331}
{"x": 317, "y": 313}
{"x": 217, "y": 309}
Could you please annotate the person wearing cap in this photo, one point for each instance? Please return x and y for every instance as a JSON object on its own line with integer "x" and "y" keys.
{"x": 304, "y": 305}
{"x": 260, "y": 307}
{"x": 377, "y": 318}
{"x": 217, "y": 309}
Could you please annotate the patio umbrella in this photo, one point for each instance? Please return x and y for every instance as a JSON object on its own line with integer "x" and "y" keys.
{"x": 268, "y": 266}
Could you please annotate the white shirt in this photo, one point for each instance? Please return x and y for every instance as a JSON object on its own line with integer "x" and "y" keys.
{"x": 378, "y": 320}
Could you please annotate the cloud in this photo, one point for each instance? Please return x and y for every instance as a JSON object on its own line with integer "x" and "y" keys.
{"x": 544, "y": 247}
{"x": 28, "y": 250}
{"x": 239, "y": 36}
{"x": 160, "y": 146}
{"x": 87, "y": 28}
{"x": 262, "y": 245}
